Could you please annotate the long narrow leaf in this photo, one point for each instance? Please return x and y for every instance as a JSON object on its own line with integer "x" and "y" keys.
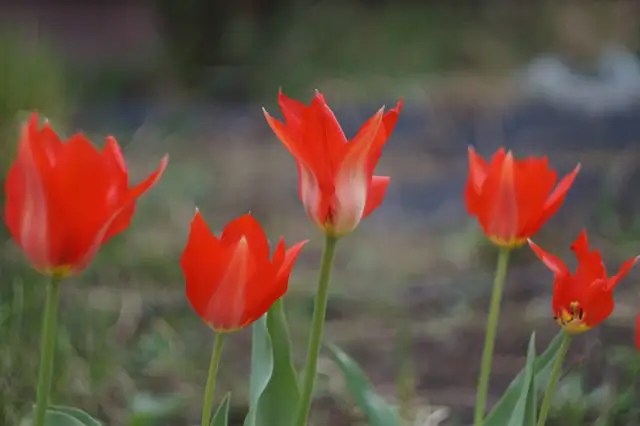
{"x": 373, "y": 405}
{"x": 77, "y": 414}
{"x": 273, "y": 382}
{"x": 221, "y": 416}
{"x": 522, "y": 411}
{"x": 541, "y": 367}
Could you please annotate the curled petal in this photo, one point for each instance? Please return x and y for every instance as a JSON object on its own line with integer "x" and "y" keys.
{"x": 558, "y": 195}
{"x": 290, "y": 257}
{"x": 622, "y": 272}
{"x": 554, "y": 263}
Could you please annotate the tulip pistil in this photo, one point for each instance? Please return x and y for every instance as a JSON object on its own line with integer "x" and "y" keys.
{"x": 573, "y": 319}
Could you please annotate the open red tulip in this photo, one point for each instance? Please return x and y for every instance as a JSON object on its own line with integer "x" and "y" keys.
{"x": 64, "y": 200}
{"x": 584, "y": 299}
{"x": 231, "y": 281}
{"x": 336, "y": 182}
{"x": 513, "y": 198}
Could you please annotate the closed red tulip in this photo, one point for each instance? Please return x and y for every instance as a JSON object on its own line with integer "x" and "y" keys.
{"x": 513, "y": 198}
{"x": 231, "y": 281}
{"x": 584, "y": 299}
{"x": 64, "y": 200}
{"x": 336, "y": 182}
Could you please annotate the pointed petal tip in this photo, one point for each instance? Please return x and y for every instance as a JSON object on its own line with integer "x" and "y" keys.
{"x": 577, "y": 168}
{"x": 302, "y": 243}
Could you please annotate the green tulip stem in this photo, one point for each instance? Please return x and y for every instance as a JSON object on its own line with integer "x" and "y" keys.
{"x": 48, "y": 339}
{"x": 317, "y": 326}
{"x": 216, "y": 354}
{"x": 490, "y": 336}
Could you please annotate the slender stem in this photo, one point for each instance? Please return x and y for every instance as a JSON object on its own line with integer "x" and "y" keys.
{"x": 48, "y": 339}
{"x": 553, "y": 379}
{"x": 490, "y": 336}
{"x": 216, "y": 354}
{"x": 317, "y": 326}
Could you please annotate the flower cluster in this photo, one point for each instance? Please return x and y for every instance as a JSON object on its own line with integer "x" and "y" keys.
{"x": 65, "y": 199}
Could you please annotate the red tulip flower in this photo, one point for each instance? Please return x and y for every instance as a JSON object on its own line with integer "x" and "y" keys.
{"x": 584, "y": 299}
{"x": 231, "y": 281}
{"x": 513, "y": 198}
{"x": 65, "y": 200}
{"x": 336, "y": 182}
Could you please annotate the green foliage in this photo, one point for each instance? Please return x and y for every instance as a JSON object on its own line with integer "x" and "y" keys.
{"x": 525, "y": 410}
{"x": 58, "y": 415}
{"x": 76, "y": 414}
{"x": 541, "y": 369}
{"x": 221, "y": 416}
{"x": 373, "y": 405}
{"x": 149, "y": 410}
{"x": 273, "y": 384}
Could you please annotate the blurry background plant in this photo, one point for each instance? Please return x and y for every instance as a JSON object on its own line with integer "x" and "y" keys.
{"x": 195, "y": 87}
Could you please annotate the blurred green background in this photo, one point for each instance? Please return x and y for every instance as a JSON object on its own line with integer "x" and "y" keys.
{"x": 411, "y": 289}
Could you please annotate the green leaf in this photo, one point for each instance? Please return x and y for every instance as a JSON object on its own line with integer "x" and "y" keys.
{"x": 147, "y": 409}
{"x": 58, "y": 418}
{"x": 373, "y": 405}
{"x": 77, "y": 414}
{"x": 54, "y": 418}
{"x": 273, "y": 384}
{"x": 541, "y": 370}
{"x": 524, "y": 413}
{"x": 221, "y": 417}
{"x": 63, "y": 416}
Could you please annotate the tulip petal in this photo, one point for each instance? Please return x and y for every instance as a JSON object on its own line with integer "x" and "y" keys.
{"x": 556, "y": 198}
{"x": 622, "y": 272}
{"x": 227, "y": 304}
{"x": 203, "y": 263}
{"x": 590, "y": 264}
{"x": 499, "y": 213}
{"x": 123, "y": 219}
{"x": 292, "y": 110}
{"x": 599, "y": 303}
{"x": 26, "y": 206}
{"x": 248, "y": 228}
{"x": 119, "y": 218}
{"x": 290, "y": 257}
{"x": 478, "y": 170}
{"x": 352, "y": 182}
{"x": 282, "y": 133}
{"x": 554, "y": 263}
{"x": 389, "y": 120}
{"x": 377, "y": 192}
